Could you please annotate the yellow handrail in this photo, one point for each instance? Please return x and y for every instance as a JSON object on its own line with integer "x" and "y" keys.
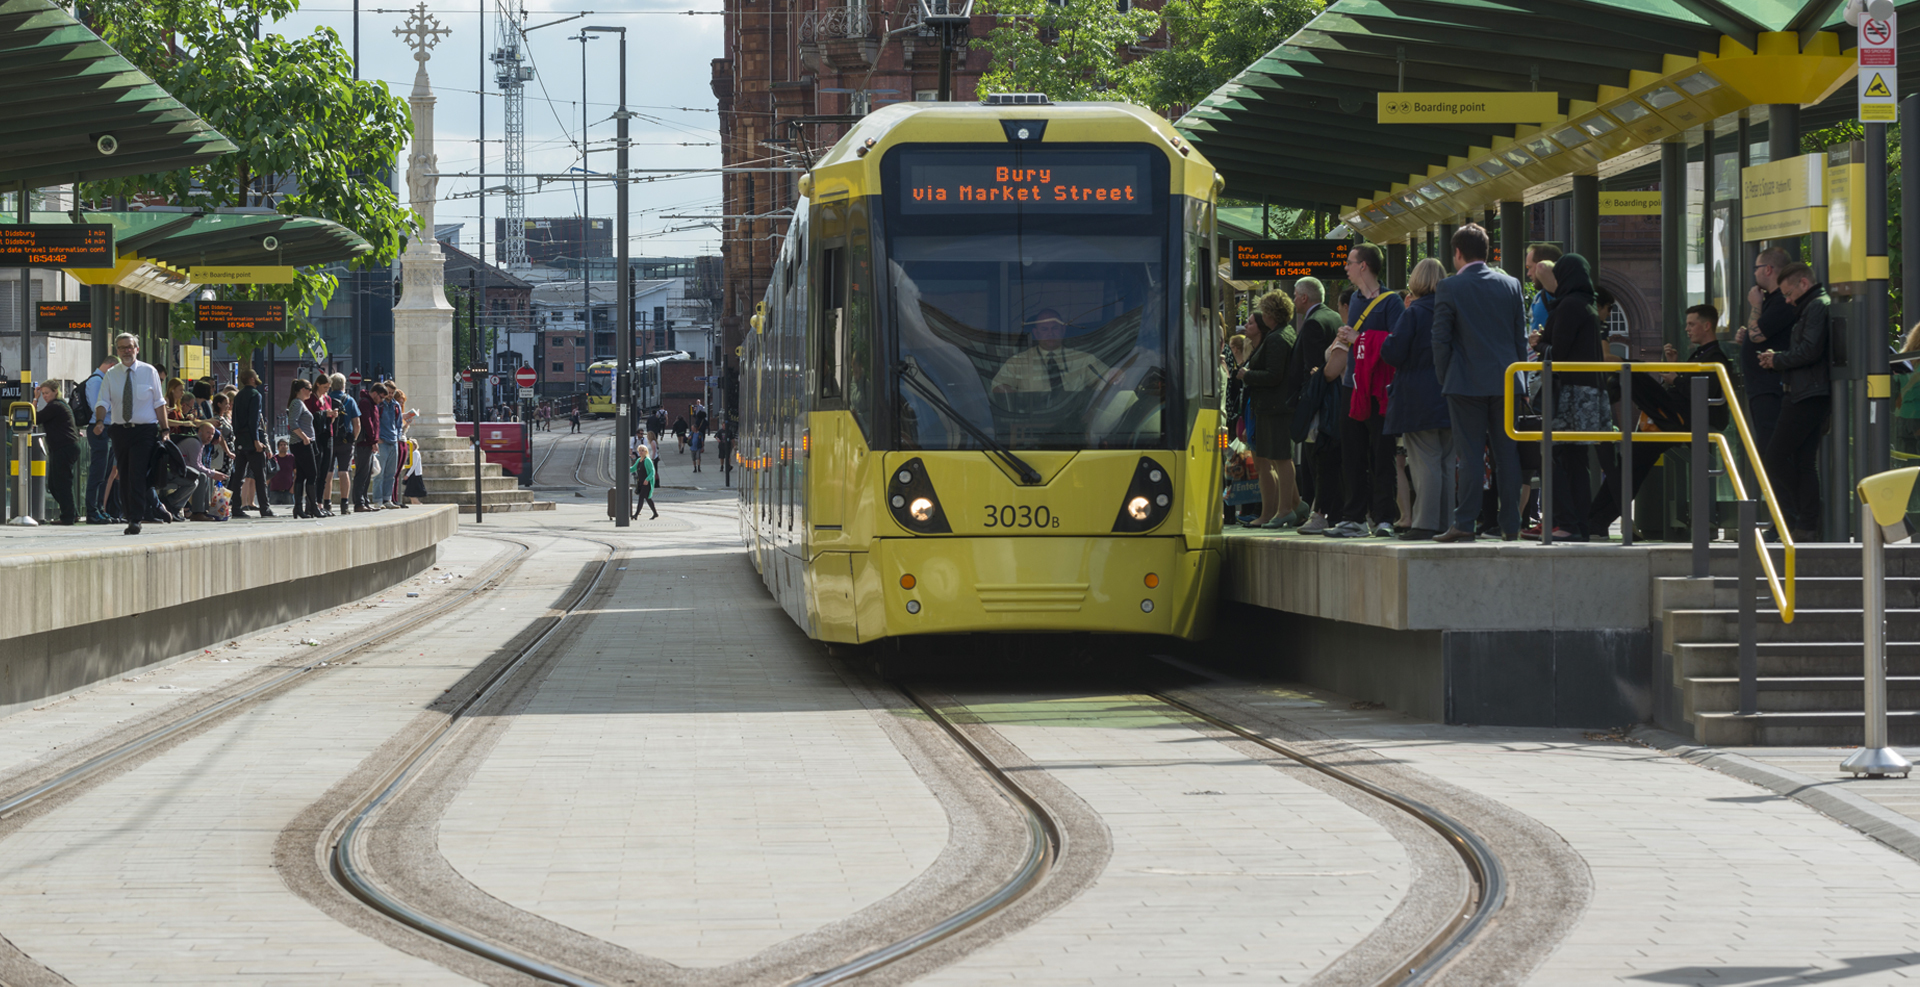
{"x": 1780, "y": 585}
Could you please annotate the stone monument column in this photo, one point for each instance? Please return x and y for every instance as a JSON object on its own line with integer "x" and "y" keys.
{"x": 423, "y": 319}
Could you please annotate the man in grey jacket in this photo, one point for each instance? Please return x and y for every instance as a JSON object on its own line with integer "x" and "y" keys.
{"x": 1479, "y": 327}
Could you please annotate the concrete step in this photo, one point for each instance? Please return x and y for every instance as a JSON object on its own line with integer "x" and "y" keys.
{"x": 1812, "y": 593}
{"x": 499, "y": 508}
{"x": 464, "y": 484}
{"x": 456, "y": 460}
{"x": 1697, "y": 626}
{"x": 1812, "y": 729}
{"x": 1798, "y": 695}
{"x": 1826, "y": 559}
{"x": 513, "y": 496}
{"x": 1789, "y": 658}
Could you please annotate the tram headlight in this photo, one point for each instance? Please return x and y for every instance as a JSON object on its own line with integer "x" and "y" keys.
{"x": 912, "y": 500}
{"x": 1148, "y": 500}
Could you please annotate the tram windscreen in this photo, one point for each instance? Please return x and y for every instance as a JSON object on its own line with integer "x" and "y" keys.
{"x": 600, "y": 381}
{"x": 1031, "y": 290}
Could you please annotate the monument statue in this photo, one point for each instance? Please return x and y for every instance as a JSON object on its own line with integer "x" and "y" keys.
{"x": 423, "y": 319}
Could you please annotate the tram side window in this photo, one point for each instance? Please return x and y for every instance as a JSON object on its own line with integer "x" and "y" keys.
{"x": 831, "y": 334}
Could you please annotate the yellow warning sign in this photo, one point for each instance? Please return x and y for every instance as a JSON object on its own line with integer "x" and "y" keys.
{"x": 1878, "y": 88}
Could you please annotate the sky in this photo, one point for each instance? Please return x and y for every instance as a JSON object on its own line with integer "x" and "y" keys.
{"x": 668, "y": 68}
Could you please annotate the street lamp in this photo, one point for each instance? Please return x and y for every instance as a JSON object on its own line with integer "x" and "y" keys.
{"x": 623, "y": 297}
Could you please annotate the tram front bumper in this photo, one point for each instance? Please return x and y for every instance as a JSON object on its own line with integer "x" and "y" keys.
{"x": 1113, "y": 585}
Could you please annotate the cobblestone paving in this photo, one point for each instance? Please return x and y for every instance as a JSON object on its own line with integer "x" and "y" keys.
{"x": 1698, "y": 878}
{"x": 1222, "y": 867}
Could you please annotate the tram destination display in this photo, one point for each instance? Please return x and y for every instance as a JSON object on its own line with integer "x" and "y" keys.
{"x": 63, "y": 317}
{"x": 1273, "y": 260}
{"x": 974, "y": 182}
{"x": 240, "y": 316}
{"x": 57, "y": 245}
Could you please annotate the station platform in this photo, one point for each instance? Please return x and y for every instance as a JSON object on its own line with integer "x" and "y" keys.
{"x": 1567, "y": 635}
{"x": 87, "y": 602}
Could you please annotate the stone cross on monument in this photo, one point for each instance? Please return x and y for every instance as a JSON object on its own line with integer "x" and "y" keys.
{"x": 423, "y": 320}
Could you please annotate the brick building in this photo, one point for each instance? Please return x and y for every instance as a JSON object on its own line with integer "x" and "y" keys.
{"x": 790, "y": 83}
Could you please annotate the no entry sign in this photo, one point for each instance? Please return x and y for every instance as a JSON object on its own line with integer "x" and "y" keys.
{"x": 525, "y": 377}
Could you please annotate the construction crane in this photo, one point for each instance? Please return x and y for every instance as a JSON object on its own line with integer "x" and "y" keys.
{"x": 511, "y": 73}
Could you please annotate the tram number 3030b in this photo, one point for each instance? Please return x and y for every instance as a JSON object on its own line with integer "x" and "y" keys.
{"x": 1023, "y": 516}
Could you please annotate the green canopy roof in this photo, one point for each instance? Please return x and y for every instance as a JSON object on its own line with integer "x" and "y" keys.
{"x": 1299, "y": 125}
{"x": 64, "y": 89}
{"x": 195, "y": 239}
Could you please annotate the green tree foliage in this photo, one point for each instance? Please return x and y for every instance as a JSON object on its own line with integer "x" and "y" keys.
{"x": 299, "y": 117}
{"x": 1072, "y": 50}
{"x": 1211, "y": 41}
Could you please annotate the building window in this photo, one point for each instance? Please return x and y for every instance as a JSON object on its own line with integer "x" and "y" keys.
{"x": 580, "y": 368}
{"x": 926, "y": 95}
{"x": 559, "y": 368}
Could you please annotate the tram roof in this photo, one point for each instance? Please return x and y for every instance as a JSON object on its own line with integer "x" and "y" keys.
{"x": 64, "y": 88}
{"x": 1298, "y": 126}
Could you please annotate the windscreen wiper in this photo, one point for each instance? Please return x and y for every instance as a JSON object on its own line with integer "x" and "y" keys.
{"x": 1028, "y": 475}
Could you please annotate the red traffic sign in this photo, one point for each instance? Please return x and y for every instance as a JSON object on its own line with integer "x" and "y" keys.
{"x": 526, "y": 377}
{"x": 466, "y": 376}
{"x": 353, "y": 379}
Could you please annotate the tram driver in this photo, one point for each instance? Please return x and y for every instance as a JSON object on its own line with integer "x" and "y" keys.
{"x": 1049, "y": 366}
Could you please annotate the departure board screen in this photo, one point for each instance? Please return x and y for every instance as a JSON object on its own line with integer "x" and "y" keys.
{"x": 1268, "y": 260}
{"x": 63, "y": 317}
{"x": 240, "y": 316}
{"x": 56, "y": 245}
{"x": 1005, "y": 181}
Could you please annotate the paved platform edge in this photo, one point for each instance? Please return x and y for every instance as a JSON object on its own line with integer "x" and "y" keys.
{"x": 1869, "y": 817}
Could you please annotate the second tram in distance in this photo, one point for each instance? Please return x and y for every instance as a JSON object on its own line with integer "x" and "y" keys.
{"x": 980, "y": 395}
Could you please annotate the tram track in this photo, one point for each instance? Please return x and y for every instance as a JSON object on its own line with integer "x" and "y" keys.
{"x": 88, "y": 762}
{"x": 348, "y": 856}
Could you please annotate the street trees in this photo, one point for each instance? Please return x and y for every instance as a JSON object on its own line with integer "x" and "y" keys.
{"x": 313, "y": 140}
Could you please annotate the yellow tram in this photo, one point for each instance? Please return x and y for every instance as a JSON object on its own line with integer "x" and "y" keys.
{"x": 980, "y": 395}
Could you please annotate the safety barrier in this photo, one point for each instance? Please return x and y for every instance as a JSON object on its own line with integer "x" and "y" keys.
{"x": 1780, "y": 581}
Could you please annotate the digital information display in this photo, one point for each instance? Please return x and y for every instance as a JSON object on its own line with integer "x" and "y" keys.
{"x": 56, "y": 245}
{"x": 1272, "y": 260}
{"x": 63, "y": 317}
{"x": 240, "y": 316}
{"x": 1006, "y": 182}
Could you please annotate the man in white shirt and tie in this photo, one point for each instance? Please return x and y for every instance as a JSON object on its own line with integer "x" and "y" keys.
{"x": 138, "y": 399}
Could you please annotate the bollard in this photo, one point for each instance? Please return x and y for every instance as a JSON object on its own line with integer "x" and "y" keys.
{"x": 1749, "y": 590}
{"x": 23, "y": 478}
{"x": 1883, "y": 501}
{"x": 1702, "y": 461}
{"x": 1546, "y": 447}
{"x": 37, "y": 482}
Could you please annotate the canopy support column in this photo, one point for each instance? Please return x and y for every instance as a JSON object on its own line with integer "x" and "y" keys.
{"x": 1513, "y": 238}
{"x": 1783, "y": 142}
{"x": 1673, "y": 239}
{"x": 1583, "y": 234}
{"x": 1444, "y": 249}
{"x": 1396, "y": 265}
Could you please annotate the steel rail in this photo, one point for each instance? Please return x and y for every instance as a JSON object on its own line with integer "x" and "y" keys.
{"x": 1044, "y": 845}
{"x": 1483, "y": 865}
{"x": 346, "y": 830}
{"x": 20, "y": 800}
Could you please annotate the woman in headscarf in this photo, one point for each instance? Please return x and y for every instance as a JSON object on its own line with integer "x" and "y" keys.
{"x": 1271, "y": 419}
{"x": 1573, "y": 334}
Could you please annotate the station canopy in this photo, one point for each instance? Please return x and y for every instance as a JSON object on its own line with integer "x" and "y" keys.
{"x": 65, "y": 90}
{"x": 1298, "y": 127}
{"x": 158, "y": 249}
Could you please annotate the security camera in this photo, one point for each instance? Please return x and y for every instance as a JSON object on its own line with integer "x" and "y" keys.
{"x": 270, "y": 243}
{"x": 106, "y": 143}
{"x": 1879, "y": 10}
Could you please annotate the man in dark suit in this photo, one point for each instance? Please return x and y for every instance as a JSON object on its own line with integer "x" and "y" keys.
{"x": 250, "y": 442}
{"x": 1316, "y": 325}
{"x": 1479, "y": 328}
